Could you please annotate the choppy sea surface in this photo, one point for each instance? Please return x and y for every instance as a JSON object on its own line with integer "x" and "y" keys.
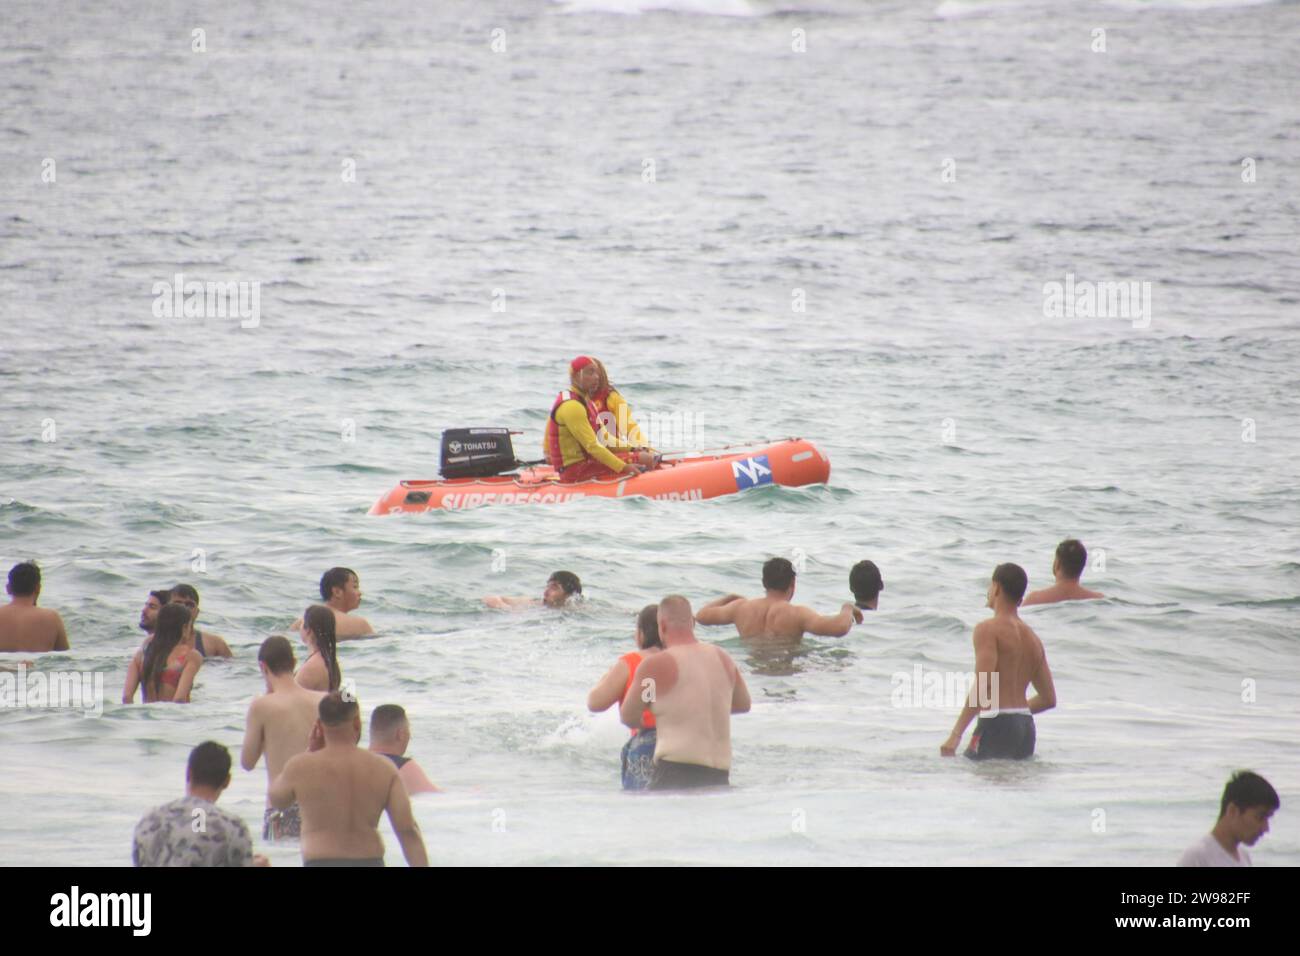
{"x": 833, "y": 220}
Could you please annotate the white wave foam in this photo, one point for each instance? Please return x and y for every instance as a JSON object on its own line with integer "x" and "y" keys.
{"x": 717, "y": 8}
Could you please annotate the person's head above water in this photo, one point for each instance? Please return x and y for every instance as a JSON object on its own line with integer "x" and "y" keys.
{"x": 1248, "y": 802}
{"x": 561, "y": 586}
{"x": 343, "y": 587}
{"x": 276, "y": 655}
{"x": 389, "y": 727}
{"x": 588, "y": 376}
{"x": 866, "y": 584}
{"x": 676, "y": 620}
{"x": 340, "y": 716}
{"x": 1008, "y": 585}
{"x": 152, "y": 605}
{"x": 207, "y": 772}
{"x": 778, "y": 575}
{"x": 647, "y": 627}
{"x": 24, "y": 580}
{"x": 1071, "y": 559}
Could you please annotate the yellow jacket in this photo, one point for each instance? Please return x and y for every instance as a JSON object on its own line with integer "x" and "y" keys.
{"x": 578, "y": 440}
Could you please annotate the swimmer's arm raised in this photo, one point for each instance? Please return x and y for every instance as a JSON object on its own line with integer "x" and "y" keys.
{"x": 132, "y": 680}
{"x": 404, "y": 825}
{"x": 251, "y": 752}
{"x": 1045, "y": 698}
{"x": 609, "y": 691}
{"x": 836, "y": 626}
{"x": 986, "y": 660}
{"x": 721, "y": 611}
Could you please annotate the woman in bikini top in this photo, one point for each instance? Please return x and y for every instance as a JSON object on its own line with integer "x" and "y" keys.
{"x": 165, "y": 669}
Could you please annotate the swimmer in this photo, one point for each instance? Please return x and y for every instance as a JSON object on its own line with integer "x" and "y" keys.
{"x": 561, "y": 588}
{"x": 205, "y": 642}
{"x": 773, "y": 616}
{"x": 166, "y": 666}
{"x": 320, "y": 671}
{"x": 866, "y": 584}
{"x": 1248, "y": 802}
{"x": 343, "y": 790}
{"x": 390, "y": 735}
{"x": 637, "y": 759}
{"x": 1008, "y": 658}
{"x": 24, "y": 626}
{"x": 692, "y": 689}
{"x": 1067, "y": 568}
{"x": 340, "y": 589}
{"x": 279, "y": 724}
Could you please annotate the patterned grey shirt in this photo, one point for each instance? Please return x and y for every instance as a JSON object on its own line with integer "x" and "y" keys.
{"x": 191, "y": 832}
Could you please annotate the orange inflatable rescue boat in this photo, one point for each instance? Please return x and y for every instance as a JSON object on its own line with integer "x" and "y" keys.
{"x": 791, "y": 462}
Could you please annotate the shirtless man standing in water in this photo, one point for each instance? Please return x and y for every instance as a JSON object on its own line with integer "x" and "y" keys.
{"x": 342, "y": 791}
{"x": 692, "y": 689}
{"x": 24, "y": 626}
{"x": 279, "y": 724}
{"x": 1008, "y": 658}
{"x": 773, "y": 616}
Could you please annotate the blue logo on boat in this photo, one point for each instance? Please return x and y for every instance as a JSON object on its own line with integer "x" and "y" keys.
{"x": 751, "y": 471}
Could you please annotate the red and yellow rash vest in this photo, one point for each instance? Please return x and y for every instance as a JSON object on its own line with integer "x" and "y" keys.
{"x": 633, "y": 662}
{"x": 575, "y": 422}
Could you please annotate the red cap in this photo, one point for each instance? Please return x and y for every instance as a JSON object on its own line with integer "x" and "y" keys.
{"x": 578, "y": 364}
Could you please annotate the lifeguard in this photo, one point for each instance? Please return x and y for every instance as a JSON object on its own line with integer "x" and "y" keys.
{"x": 586, "y": 418}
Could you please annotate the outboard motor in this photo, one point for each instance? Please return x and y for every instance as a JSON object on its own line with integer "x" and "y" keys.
{"x": 477, "y": 453}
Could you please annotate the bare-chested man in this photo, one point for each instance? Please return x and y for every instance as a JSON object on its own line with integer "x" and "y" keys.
{"x": 23, "y": 625}
{"x": 205, "y": 642}
{"x": 342, "y": 791}
{"x": 340, "y": 589}
{"x": 1067, "y": 568}
{"x": 279, "y": 725}
{"x": 561, "y": 588}
{"x": 692, "y": 689}
{"x": 1009, "y": 657}
{"x": 773, "y": 616}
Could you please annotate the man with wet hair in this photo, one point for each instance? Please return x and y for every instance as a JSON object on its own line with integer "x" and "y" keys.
{"x": 24, "y": 626}
{"x": 149, "y": 613}
{"x": 342, "y": 791}
{"x": 692, "y": 689}
{"x": 192, "y": 831}
{"x": 205, "y": 642}
{"x": 1008, "y": 658}
{"x": 866, "y": 584}
{"x": 279, "y": 724}
{"x": 340, "y": 589}
{"x": 1244, "y": 811}
{"x": 773, "y": 616}
{"x": 1067, "y": 568}
{"x": 561, "y": 588}
{"x": 390, "y": 735}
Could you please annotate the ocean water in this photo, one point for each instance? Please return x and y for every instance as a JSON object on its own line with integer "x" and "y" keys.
{"x": 848, "y": 243}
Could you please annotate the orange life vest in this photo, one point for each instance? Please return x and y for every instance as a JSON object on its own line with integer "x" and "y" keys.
{"x": 633, "y": 662}
{"x": 553, "y": 453}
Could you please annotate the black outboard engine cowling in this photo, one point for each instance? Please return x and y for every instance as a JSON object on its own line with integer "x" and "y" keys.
{"x": 476, "y": 453}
